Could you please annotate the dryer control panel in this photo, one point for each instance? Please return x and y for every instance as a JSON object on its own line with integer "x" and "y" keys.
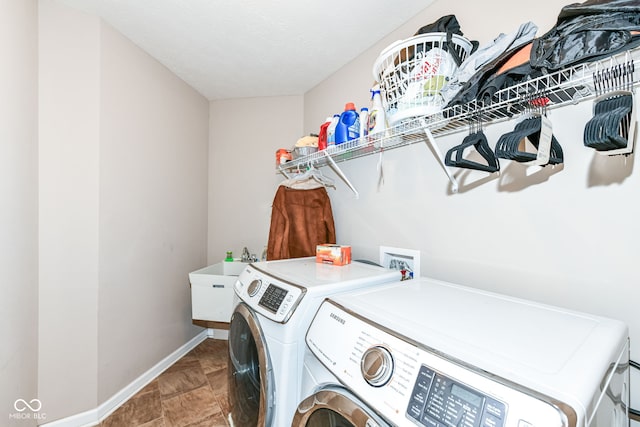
{"x": 439, "y": 400}
{"x": 271, "y": 297}
{"x": 414, "y": 385}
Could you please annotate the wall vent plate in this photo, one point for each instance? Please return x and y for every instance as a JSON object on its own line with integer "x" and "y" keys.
{"x": 401, "y": 259}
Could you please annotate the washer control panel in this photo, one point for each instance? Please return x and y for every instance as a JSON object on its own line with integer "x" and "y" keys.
{"x": 412, "y": 384}
{"x": 269, "y": 296}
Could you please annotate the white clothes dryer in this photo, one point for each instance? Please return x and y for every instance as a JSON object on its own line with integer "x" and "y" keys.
{"x": 433, "y": 354}
{"x": 276, "y": 301}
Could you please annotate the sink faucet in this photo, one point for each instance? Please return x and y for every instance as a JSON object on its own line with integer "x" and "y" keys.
{"x": 246, "y": 257}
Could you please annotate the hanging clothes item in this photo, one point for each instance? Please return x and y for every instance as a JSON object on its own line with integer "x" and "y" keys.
{"x": 586, "y": 32}
{"x": 301, "y": 219}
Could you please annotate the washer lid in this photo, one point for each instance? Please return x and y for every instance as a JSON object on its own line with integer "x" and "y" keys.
{"x": 424, "y": 386}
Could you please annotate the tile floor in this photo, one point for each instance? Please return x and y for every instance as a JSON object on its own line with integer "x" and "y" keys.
{"x": 191, "y": 393}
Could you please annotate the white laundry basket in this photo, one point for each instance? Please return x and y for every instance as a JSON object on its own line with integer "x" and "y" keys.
{"x": 412, "y": 72}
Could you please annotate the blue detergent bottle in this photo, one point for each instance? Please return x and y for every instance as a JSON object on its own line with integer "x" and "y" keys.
{"x": 348, "y": 127}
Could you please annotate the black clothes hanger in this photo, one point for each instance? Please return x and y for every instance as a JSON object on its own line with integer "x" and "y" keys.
{"x": 611, "y": 130}
{"x": 479, "y": 141}
{"x": 509, "y": 144}
{"x": 556, "y": 155}
{"x": 609, "y": 127}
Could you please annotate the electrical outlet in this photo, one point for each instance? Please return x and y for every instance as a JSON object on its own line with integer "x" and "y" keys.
{"x": 401, "y": 259}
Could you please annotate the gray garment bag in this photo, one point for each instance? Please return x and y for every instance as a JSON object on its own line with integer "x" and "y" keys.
{"x": 484, "y": 55}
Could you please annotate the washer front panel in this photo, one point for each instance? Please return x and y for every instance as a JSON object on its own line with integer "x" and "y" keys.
{"x": 426, "y": 388}
{"x": 273, "y": 298}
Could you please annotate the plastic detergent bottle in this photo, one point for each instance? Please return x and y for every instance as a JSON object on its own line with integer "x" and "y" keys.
{"x": 364, "y": 121}
{"x": 322, "y": 136}
{"x": 377, "y": 119}
{"x": 331, "y": 130}
{"x": 348, "y": 127}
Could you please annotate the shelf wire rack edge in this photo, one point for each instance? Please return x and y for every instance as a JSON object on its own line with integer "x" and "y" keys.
{"x": 566, "y": 86}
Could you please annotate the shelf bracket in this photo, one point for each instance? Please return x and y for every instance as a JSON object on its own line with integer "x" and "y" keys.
{"x": 285, "y": 174}
{"x": 434, "y": 147}
{"x": 341, "y": 174}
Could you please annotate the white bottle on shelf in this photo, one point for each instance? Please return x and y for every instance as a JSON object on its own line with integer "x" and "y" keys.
{"x": 331, "y": 130}
{"x": 364, "y": 122}
{"x": 377, "y": 120}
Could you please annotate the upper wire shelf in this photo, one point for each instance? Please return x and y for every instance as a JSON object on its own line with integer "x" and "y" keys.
{"x": 566, "y": 86}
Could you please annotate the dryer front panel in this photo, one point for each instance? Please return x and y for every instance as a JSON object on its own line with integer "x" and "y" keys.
{"x": 250, "y": 374}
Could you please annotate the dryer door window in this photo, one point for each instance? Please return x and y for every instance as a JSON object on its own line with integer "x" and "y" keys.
{"x": 249, "y": 382}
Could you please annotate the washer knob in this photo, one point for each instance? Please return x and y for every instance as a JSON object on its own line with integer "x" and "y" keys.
{"x": 254, "y": 287}
{"x": 376, "y": 366}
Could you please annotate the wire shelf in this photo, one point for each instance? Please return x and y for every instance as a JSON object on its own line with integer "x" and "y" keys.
{"x": 567, "y": 86}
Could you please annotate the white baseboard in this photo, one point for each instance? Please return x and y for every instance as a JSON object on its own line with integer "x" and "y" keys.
{"x": 219, "y": 334}
{"x": 95, "y": 416}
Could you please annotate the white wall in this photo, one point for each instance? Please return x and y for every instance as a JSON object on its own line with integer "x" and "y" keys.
{"x": 153, "y": 210}
{"x": 244, "y": 137}
{"x": 567, "y": 236}
{"x": 123, "y": 199}
{"x": 19, "y": 214}
{"x": 69, "y": 165}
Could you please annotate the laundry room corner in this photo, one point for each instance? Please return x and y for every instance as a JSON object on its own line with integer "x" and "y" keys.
{"x": 244, "y": 135}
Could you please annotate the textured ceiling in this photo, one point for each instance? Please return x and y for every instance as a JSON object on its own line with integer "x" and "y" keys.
{"x": 245, "y": 48}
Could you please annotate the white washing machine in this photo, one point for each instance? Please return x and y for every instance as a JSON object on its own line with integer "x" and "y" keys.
{"x": 434, "y": 354}
{"x": 276, "y": 303}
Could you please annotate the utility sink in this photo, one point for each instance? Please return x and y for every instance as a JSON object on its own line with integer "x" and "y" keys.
{"x": 212, "y": 290}
{"x": 225, "y": 268}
